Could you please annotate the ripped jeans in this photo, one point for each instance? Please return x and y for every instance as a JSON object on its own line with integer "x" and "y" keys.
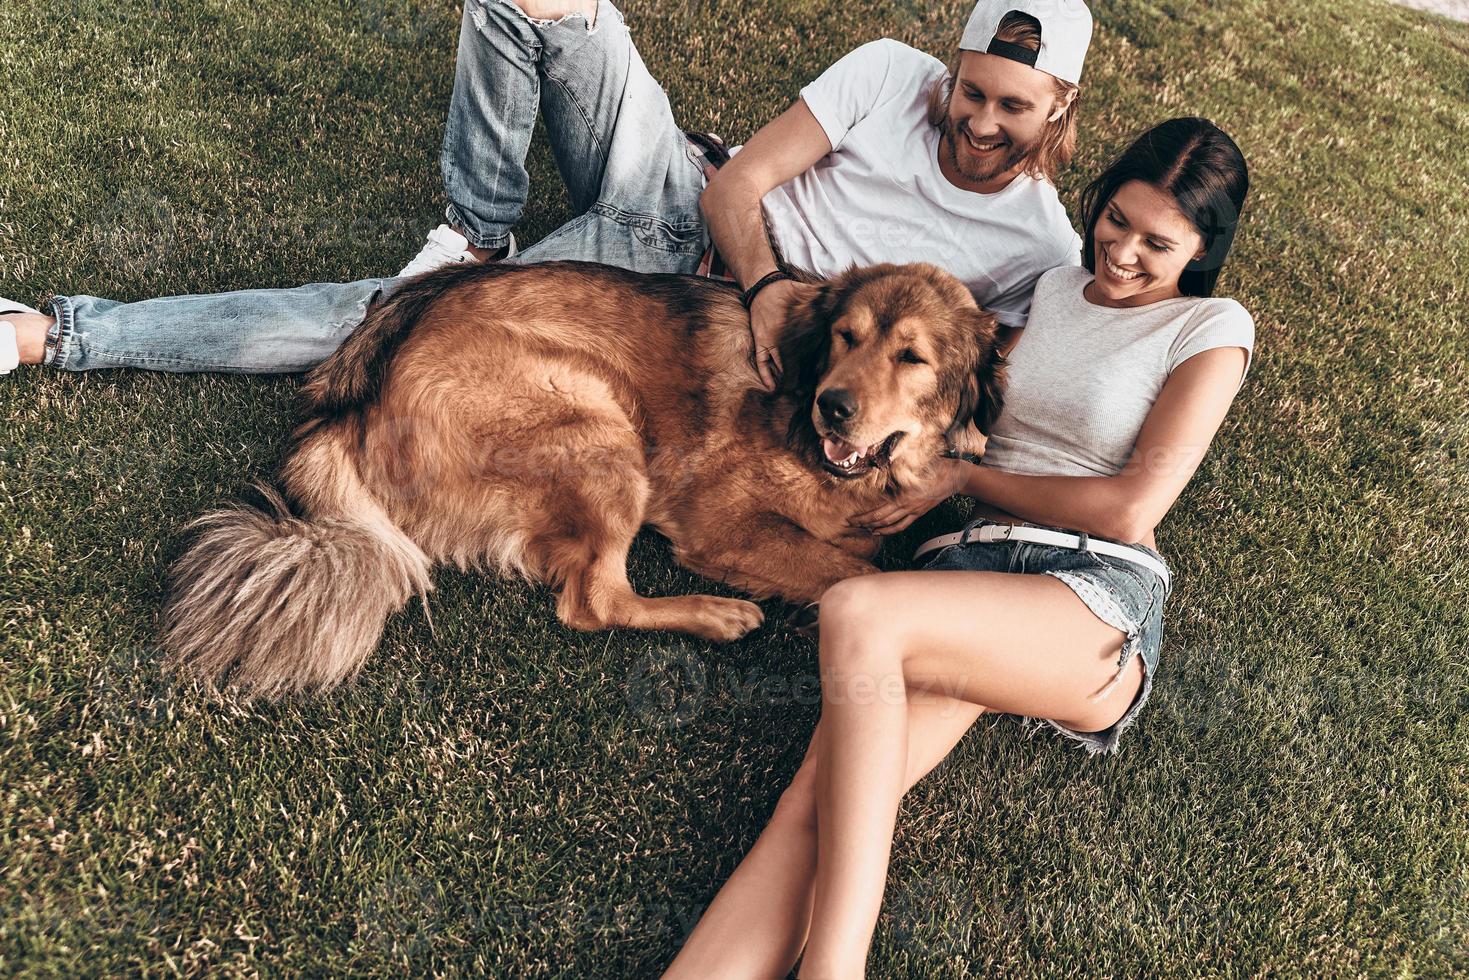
{"x": 633, "y": 181}
{"x": 1122, "y": 594}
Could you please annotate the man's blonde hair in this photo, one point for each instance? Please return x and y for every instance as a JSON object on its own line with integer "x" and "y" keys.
{"x": 1057, "y": 144}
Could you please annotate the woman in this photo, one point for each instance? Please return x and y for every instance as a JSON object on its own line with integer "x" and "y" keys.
{"x": 1049, "y": 604}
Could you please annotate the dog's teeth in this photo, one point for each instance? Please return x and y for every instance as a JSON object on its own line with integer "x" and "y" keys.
{"x": 858, "y": 456}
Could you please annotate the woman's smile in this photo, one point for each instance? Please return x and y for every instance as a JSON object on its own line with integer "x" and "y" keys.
{"x": 1141, "y": 243}
{"x": 1122, "y": 275}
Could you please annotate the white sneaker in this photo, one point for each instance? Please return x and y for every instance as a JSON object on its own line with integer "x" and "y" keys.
{"x": 11, "y": 306}
{"x": 445, "y": 246}
{"x": 9, "y": 346}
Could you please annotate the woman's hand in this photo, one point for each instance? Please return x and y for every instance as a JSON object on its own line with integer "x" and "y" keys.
{"x": 945, "y": 478}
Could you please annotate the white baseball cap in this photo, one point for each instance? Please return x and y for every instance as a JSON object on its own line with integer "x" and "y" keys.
{"x": 1066, "y": 32}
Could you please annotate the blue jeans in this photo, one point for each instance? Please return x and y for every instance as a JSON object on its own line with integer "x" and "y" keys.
{"x": 632, "y": 178}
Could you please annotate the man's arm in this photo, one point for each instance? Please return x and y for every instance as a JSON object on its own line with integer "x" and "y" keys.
{"x": 784, "y": 148}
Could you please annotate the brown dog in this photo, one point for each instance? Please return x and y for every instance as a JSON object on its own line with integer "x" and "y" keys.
{"x": 532, "y": 418}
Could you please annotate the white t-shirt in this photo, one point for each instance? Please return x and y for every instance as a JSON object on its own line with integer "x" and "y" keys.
{"x": 1082, "y": 377}
{"x": 879, "y": 196}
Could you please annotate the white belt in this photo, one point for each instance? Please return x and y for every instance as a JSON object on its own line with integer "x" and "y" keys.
{"x": 992, "y": 533}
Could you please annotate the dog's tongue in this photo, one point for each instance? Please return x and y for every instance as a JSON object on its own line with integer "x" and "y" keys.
{"x": 838, "y": 451}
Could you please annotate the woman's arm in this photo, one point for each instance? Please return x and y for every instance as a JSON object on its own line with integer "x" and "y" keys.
{"x": 1126, "y": 507}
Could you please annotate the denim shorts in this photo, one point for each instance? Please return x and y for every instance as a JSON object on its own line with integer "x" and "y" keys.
{"x": 1121, "y": 593}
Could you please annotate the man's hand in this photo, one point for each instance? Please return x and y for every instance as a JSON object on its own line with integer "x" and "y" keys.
{"x": 945, "y": 478}
{"x": 767, "y": 323}
{"x": 783, "y": 149}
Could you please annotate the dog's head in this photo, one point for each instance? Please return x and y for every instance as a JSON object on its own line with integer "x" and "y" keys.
{"x": 892, "y": 366}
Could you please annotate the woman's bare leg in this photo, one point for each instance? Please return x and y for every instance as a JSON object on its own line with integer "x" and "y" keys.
{"x": 756, "y": 925}
{"x": 1023, "y": 643}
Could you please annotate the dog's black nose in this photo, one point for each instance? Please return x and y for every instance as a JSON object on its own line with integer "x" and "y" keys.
{"x": 837, "y": 404}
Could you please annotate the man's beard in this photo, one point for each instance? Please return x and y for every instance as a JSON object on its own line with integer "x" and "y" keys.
{"x": 977, "y": 170}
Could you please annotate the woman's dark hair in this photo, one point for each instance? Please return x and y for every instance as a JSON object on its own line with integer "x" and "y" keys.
{"x": 1200, "y": 167}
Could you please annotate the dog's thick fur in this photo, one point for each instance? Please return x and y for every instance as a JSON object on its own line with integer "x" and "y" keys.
{"x": 531, "y": 419}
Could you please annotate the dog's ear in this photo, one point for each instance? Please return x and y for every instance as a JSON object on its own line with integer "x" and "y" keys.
{"x": 805, "y": 344}
{"x": 989, "y": 380}
{"x": 981, "y": 392}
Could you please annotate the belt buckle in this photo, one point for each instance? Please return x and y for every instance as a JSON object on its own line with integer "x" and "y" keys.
{"x": 1007, "y": 531}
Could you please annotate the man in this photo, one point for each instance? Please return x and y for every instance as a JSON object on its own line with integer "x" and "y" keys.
{"x": 886, "y": 157}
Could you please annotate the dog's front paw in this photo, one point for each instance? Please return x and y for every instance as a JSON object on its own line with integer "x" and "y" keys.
{"x": 723, "y": 620}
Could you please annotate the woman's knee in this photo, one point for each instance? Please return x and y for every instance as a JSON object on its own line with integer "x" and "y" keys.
{"x": 853, "y": 603}
{"x": 859, "y": 628}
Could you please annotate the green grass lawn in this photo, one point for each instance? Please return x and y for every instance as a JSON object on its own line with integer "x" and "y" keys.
{"x": 503, "y": 795}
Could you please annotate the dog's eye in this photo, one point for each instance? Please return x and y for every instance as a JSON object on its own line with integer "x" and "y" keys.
{"x": 908, "y": 357}
{"x": 848, "y": 337}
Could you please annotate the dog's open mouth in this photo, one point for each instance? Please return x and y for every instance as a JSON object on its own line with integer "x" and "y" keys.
{"x": 847, "y": 460}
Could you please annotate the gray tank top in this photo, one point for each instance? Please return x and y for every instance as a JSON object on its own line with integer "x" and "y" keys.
{"x": 1083, "y": 377}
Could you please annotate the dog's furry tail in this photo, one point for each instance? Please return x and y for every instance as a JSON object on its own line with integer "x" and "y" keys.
{"x": 284, "y": 603}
